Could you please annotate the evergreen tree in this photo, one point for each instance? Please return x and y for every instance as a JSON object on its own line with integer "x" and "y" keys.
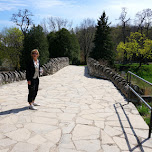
{"x": 103, "y": 46}
{"x": 35, "y": 39}
{"x": 64, "y": 44}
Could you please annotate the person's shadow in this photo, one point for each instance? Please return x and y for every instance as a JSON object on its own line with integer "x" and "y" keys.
{"x": 17, "y": 110}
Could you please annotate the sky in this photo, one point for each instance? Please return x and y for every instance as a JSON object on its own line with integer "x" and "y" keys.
{"x": 73, "y": 10}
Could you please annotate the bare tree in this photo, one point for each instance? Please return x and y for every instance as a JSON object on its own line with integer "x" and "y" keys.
{"x": 86, "y": 33}
{"x": 140, "y": 21}
{"x": 124, "y": 22}
{"x": 57, "y": 23}
{"x": 144, "y": 20}
{"x": 44, "y": 26}
{"x": 148, "y": 20}
{"x": 23, "y": 20}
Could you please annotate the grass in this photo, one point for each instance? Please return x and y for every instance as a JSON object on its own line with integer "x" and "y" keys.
{"x": 82, "y": 65}
{"x": 145, "y": 71}
{"x": 144, "y": 112}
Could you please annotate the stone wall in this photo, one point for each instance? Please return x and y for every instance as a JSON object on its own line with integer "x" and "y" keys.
{"x": 102, "y": 71}
{"x": 54, "y": 65}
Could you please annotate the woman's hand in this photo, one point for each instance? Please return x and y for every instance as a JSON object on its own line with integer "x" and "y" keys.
{"x": 29, "y": 82}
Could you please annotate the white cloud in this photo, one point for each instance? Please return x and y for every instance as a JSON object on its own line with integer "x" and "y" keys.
{"x": 6, "y": 5}
{"x": 46, "y": 4}
{"x": 76, "y": 10}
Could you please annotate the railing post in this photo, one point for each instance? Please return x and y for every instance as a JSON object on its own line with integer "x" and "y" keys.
{"x": 150, "y": 125}
{"x": 129, "y": 81}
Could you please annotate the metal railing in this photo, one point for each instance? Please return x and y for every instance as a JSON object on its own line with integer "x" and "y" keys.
{"x": 139, "y": 96}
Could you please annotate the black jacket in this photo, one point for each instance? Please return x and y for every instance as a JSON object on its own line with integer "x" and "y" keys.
{"x": 30, "y": 70}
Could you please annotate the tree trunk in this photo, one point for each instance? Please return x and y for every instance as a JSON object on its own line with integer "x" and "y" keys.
{"x": 85, "y": 59}
{"x": 140, "y": 63}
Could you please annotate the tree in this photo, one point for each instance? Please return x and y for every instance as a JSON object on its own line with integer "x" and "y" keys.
{"x": 144, "y": 20}
{"x": 44, "y": 25}
{"x": 64, "y": 44}
{"x": 103, "y": 46}
{"x": 57, "y": 23}
{"x": 11, "y": 46}
{"x": 148, "y": 20}
{"x": 85, "y": 34}
{"x": 137, "y": 46}
{"x": 35, "y": 39}
{"x": 23, "y": 20}
{"x": 1, "y": 50}
{"x": 124, "y": 22}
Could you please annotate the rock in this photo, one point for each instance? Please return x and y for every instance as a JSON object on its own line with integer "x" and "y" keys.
{"x": 7, "y": 142}
{"x": 7, "y": 128}
{"x": 66, "y": 142}
{"x": 88, "y": 145}
{"x": 110, "y": 148}
{"x": 65, "y": 117}
{"x": 80, "y": 120}
{"x": 54, "y": 136}
{"x": 54, "y": 65}
{"x": 121, "y": 142}
{"x": 45, "y": 147}
{"x": 40, "y": 128}
{"x": 36, "y": 140}
{"x": 44, "y": 120}
{"x": 19, "y": 135}
{"x": 106, "y": 139}
{"x": 100, "y": 124}
{"x": 111, "y": 131}
{"x": 85, "y": 132}
{"x": 67, "y": 127}
{"x": 24, "y": 147}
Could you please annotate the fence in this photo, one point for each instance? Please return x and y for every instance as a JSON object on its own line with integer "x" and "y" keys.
{"x": 139, "y": 96}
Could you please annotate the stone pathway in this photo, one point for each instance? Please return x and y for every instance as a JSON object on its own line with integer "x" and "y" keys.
{"x": 78, "y": 113}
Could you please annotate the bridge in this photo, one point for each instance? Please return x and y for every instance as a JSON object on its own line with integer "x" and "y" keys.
{"x": 78, "y": 113}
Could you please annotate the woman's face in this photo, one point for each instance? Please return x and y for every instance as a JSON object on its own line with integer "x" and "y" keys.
{"x": 35, "y": 55}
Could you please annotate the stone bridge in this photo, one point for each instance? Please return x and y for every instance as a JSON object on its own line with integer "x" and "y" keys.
{"x": 78, "y": 113}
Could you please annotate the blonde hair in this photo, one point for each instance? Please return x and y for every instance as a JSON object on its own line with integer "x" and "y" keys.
{"x": 35, "y": 50}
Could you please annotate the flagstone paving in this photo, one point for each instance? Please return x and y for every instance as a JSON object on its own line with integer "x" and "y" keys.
{"x": 78, "y": 113}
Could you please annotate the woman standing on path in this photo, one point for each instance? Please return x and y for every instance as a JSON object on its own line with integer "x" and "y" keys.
{"x": 32, "y": 76}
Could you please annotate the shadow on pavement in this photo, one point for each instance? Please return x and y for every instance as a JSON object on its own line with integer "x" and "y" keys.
{"x": 132, "y": 129}
{"x": 14, "y": 111}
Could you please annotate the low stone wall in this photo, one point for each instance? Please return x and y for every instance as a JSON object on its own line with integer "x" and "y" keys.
{"x": 54, "y": 65}
{"x": 102, "y": 71}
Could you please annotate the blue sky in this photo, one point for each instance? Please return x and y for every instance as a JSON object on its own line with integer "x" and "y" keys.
{"x": 75, "y": 10}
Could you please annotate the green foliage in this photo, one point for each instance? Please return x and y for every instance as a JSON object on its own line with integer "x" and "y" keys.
{"x": 64, "y": 44}
{"x": 103, "y": 46}
{"x": 35, "y": 39}
{"x": 137, "y": 46}
{"x": 11, "y": 46}
{"x": 145, "y": 71}
{"x": 143, "y": 110}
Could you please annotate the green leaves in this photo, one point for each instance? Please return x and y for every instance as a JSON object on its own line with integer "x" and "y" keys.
{"x": 35, "y": 39}
{"x": 11, "y": 46}
{"x": 137, "y": 45}
{"x": 63, "y": 43}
